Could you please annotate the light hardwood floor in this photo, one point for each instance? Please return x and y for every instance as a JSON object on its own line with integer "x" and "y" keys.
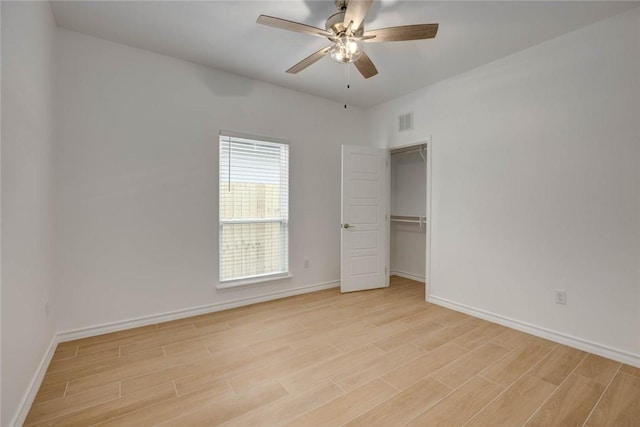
{"x": 382, "y": 357}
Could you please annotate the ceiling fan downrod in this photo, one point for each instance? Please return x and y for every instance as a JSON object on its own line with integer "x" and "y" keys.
{"x": 341, "y": 5}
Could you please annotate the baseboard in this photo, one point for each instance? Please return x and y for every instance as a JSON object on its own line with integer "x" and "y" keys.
{"x": 559, "y": 337}
{"x": 407, "y": 275}
{"x": 30, "y": 395}
{"x": 195, "y": 311}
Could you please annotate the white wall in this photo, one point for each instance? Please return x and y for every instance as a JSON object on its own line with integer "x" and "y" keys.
{"x": 0, "y": 217}
{"x": 408, "y": 197}
{"x": 27, "y": 199}
{"x": 536, "y": 182}
{"x": 137, "y": 169}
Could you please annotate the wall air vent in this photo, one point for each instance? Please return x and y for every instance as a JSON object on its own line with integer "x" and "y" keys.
{"x": 405, "y": 122}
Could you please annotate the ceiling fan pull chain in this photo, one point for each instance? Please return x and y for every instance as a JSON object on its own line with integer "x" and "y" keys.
{"x": 346, "y": 74}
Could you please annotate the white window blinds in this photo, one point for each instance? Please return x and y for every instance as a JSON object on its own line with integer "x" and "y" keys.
{"x": 254, "y": 208}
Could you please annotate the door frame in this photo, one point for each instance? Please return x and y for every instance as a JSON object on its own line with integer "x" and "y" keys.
{"x": 429, "y": 153}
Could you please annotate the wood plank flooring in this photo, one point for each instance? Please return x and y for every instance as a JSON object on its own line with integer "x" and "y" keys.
{"x": 375, "y": 358}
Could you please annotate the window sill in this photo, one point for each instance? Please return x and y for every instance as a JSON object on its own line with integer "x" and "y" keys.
{"x": 253, "y": 281}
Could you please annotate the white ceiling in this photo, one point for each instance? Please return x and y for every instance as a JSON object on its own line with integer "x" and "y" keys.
{"x": 224, "y": 35}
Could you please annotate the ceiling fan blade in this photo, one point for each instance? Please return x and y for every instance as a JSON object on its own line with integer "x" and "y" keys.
{"x": 292, "y": 26}
{"x": 365, "y": 66}
{"x": 311, "y": 59}
{"x": 405, "y": 32}
{"x": 356, "y": 11}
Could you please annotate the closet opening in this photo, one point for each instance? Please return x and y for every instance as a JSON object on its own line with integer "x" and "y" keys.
{"x": 408, "y": 212}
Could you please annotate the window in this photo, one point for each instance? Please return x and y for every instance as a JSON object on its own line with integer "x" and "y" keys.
{"x": 254, "y": 209}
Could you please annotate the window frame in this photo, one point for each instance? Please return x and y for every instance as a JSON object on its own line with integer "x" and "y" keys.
{"x": 284, "y": 220}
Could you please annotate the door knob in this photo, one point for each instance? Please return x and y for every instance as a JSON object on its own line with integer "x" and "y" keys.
{"x": 347, "y": 226}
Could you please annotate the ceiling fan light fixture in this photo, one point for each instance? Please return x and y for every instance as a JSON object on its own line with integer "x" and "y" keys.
{"x": 346, "y": 49}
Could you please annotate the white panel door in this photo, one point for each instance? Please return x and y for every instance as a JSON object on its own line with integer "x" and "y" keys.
{"x": 363, "y": 228}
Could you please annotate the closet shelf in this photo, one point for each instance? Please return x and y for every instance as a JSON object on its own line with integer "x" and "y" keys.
{"x": 422, "y": 149}
{"x": 413, "y": 219}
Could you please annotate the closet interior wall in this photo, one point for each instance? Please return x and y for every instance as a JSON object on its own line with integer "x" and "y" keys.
{"x": 408, "y": 176}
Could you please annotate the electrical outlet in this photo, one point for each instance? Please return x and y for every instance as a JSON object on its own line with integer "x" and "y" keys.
{"x": 561, "y": 296}
{"x": 306, "y": 263}
{"x": 47, "y": 309}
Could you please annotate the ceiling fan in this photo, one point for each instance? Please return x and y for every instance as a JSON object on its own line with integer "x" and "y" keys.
{"x": 345, "y": 30}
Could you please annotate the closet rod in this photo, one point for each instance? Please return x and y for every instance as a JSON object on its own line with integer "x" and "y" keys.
{"x": 413, "y": 221}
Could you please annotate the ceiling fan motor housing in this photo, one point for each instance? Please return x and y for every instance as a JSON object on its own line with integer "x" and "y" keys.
{"x": 335, "y": 23}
